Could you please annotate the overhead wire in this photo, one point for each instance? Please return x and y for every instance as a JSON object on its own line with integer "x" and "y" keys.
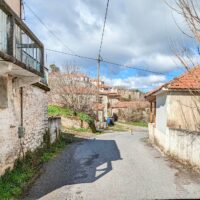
{"x": 86, "y": 57}
{"x": 104, "y": 61}
{"x": 104, "y": 25}
{"x": 50, "y": 31}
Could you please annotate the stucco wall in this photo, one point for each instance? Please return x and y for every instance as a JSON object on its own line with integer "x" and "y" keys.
{"x": 35, "y": 122}
{"x": 182, "y": 145}
{"x": 15, "y": 5}
{"x": 54, "y": 126}
{"x": 184, "y": 110}
{"x": 161, "y": 112}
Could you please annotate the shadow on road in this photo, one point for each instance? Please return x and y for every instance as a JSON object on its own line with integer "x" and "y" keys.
{"x": 82, "y": 162}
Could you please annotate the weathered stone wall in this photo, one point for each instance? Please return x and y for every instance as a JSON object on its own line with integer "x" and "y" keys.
{"x": 35, "y": 121}
{"x": 71, "y": 122}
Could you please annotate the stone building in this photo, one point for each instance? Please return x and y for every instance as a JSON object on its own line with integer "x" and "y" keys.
{"x": 175, "y": 117}
{"x": 23, "y": 86}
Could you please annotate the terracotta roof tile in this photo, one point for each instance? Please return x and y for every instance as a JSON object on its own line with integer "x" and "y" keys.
{"x": 189, "y": 80}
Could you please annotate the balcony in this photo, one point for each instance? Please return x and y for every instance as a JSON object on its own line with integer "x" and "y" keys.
{"x": 19, "y": 46}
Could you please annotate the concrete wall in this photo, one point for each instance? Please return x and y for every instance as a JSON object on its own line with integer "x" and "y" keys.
{"x": 182, "y": 145}
{"x": 161, "y": 112}
{"x": 15, "y": 5}
{"x": 177, "y": 128}
{"x": 54, "y": 128}
{"x": 184, "y": 111}
{"x": 35, "y": 122}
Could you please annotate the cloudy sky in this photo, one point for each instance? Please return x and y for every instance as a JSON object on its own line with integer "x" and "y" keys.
{"x": 139, "y": 33}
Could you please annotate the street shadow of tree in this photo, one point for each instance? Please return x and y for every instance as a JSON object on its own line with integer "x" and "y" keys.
{"x": 84, "y": 162}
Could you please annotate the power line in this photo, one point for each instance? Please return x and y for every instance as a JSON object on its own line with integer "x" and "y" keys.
{"x": 50, "y": 31}
{"x": 102, "y": 36}
{"x": 85, "y": 57}
{"x": 104, "y": 61}
{"x": 136, "y": 68}
{"x": 70, "y": 54}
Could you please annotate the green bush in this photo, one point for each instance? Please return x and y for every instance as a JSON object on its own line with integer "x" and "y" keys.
{"x": 59, "y": 111}
{"x": 84, "y": 117}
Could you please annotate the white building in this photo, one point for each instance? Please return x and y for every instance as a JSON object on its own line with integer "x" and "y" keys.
{"x": 175, "y": 117}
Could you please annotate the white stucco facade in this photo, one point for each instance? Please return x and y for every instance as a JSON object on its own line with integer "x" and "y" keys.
{"x": 177, "y": 130}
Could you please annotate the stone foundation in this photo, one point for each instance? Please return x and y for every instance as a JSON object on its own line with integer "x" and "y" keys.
{"x": 74, "y": 123}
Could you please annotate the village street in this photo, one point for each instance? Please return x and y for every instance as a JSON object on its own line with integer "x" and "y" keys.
{"x": 114, "y": 166}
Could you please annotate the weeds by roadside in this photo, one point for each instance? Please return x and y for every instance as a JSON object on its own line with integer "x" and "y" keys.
{"x": 139, "y": 123}
{"x": 14, "y": 182}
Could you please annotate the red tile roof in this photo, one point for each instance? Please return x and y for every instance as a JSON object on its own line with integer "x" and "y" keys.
{"x": 189, "y": 80}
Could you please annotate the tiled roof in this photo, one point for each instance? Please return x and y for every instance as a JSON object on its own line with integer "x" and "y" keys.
{"x": 189, "y": 80}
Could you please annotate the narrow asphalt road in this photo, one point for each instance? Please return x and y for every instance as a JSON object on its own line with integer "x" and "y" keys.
{"x": 115, "y": 166}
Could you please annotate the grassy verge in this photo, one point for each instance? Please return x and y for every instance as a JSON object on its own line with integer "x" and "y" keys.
{"x": 118, "y": 127}
{"x": 59, "y": 111}
{"x": 14, "y": 182}
{"x": 54, "y": 110}
{"x": 139, "y": 123}
{"x": 81, "y": 130}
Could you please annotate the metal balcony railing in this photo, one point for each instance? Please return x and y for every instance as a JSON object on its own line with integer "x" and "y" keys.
{"x": 17, "y": 42}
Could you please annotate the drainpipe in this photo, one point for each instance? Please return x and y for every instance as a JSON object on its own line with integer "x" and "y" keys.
{"x": 21, "y": 105}
{"x": 21, "y": 130}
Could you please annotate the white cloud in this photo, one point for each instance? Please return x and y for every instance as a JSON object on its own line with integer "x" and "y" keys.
{"x": 137, "y": 31}
{"x": 141, "y": 82}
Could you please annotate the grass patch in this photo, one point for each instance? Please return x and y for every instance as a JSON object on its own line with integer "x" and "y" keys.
{"x": 117, "y": 127}
{"x": 14, "y": 182}
{"x": 81, "y": 130}
{"x": 54, "y": 110}
{"x": 139, "y": 123}
{"x": 59, "y": 111}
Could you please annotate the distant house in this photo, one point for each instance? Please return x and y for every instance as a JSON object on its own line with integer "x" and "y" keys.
{"x": 175, "y": 116}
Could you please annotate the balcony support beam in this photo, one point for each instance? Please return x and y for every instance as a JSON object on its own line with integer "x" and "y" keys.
{"x": 25, "y": 81}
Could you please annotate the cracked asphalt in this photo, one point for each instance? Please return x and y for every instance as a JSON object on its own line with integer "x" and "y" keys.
{"x": 114, "y": 166}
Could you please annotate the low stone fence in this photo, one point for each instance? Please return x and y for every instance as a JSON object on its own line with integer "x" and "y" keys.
{"x": 54, "y": 128}
{"x": 71, "y": 122}
{"x": 101, "y": 125}
{"x": 180, "y": 144}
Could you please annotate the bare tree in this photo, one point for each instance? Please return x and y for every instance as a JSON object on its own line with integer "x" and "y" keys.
{"x": 190, "y": 12}
{"x": 72, "y": 89}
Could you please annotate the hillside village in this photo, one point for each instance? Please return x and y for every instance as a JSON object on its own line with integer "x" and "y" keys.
{"x": 67, "y": 135}
{"x": 127, "y": 105}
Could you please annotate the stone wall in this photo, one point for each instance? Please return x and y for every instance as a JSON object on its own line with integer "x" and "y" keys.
{"x": 35, "y": 122}
{"x": 71, "y": 122}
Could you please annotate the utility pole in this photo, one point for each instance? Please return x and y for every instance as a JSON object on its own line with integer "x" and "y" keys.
{"x": 98, "y": 77}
